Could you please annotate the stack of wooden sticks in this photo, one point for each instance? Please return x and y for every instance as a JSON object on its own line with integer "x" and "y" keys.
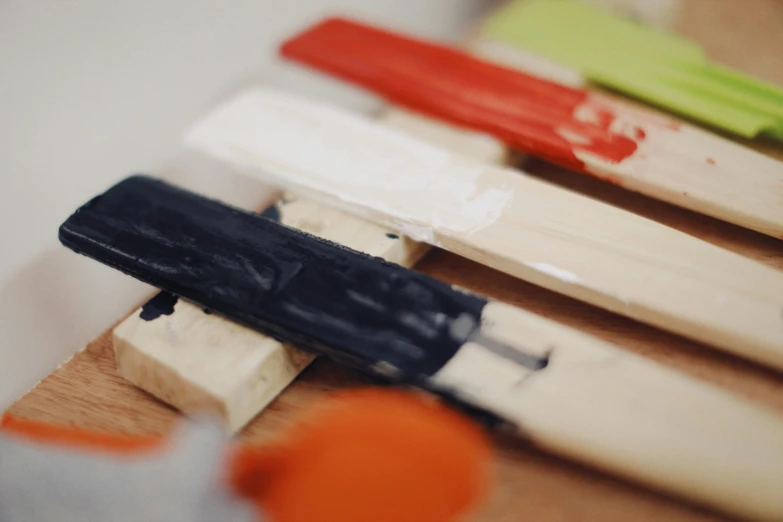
{"x": 582, "y": 278}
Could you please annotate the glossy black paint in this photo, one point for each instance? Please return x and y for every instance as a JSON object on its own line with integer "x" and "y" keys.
{"x": 161, "y": 304}
{"x": 359, "y": 310}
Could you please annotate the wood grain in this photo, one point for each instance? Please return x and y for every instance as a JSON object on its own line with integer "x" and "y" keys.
{"x": 529, "y": 484}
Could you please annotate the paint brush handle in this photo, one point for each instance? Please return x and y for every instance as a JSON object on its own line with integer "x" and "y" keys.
{"x": 624, "y": 414}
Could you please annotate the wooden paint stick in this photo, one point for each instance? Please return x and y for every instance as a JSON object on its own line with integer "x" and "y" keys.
{"x": 634, "y": 147}
{"x": 502, "y": 218}
{"x": 196, "y": 361}
{"x": 567, "y": 392}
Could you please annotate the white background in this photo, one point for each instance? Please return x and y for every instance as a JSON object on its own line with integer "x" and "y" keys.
{"x": 94, "y": 90}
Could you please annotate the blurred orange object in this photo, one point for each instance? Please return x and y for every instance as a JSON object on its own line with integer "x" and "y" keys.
{"x": 371, "y": 455}
{"x": 367, "y": 455}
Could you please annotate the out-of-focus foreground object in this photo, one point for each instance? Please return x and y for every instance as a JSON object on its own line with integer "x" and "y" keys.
{"x": 61, "y": 474}
{"x": 372, "y": 455}
{"x": 368, "y": 454}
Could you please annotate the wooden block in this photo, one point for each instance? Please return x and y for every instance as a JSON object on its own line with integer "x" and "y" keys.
{"x": 502, "y": 218}
{"x": 196, "y": 362}
{"x": 676, "y": 162}
{"x": 567, "y": 392}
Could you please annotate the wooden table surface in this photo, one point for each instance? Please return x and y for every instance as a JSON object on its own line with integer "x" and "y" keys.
{"x": 528, "y": 484}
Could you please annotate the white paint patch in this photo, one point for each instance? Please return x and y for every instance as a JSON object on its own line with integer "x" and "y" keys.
{"x": 460, "y": 140}
{"x": 419, "y": 233}
{"x": 571, "y": 278}
{"x": 341, "y": 158}
{"x": 559, "y": 273}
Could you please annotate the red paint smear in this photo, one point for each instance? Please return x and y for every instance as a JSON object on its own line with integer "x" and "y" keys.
{"x": 526, "y": 113}
{"x": 711, "y": 161}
